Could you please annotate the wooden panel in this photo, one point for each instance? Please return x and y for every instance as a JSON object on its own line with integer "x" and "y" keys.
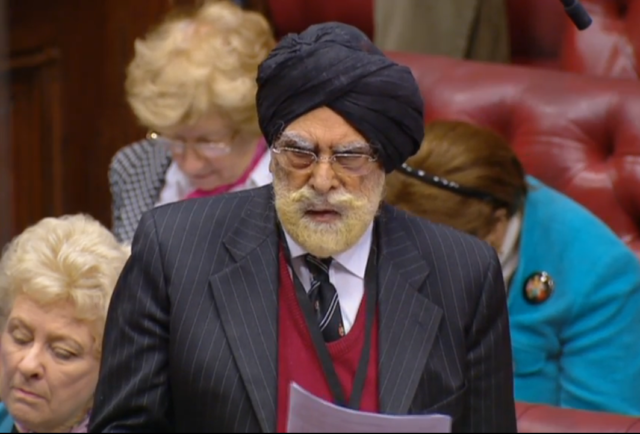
{"x": 6, "y": 203}
{"x": 68, "y": 111}
{"x": 261, "y": 6}
{"x": 35, "y": 135}
{"x": 125, "y": 21}
{"x": 98, "y": 120}
{"x": 33, "y": 65}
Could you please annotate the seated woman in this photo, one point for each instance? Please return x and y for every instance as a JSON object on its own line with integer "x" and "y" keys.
{"x": 573, "y": 285}
{"x": 192, "y": 84}
{"x": 56, "y": 280}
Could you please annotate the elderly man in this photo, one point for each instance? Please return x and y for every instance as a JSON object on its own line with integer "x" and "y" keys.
{"x": 227, "y": 301}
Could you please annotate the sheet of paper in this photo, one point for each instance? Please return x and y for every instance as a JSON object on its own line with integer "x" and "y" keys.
{"x": 308, "y": 413}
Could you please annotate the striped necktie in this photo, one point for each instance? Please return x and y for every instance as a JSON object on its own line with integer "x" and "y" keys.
{"x": 324, "y": 299}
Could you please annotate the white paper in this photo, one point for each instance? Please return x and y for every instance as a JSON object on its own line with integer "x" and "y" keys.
{"x": 308, "y": 413}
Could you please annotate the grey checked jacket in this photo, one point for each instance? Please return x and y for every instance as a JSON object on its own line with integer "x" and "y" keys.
{"x": 136, "y": 177}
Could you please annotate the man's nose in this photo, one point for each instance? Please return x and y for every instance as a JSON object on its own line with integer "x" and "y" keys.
{"x": 323, "y": 178}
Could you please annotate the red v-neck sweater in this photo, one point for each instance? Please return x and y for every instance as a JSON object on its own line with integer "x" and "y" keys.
{"x": 299, "y": 363}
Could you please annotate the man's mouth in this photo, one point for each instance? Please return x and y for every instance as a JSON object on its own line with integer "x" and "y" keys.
{"x": 323, "y": 214}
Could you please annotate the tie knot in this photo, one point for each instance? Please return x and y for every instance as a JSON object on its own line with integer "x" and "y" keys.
{"x": 318, "y": 267}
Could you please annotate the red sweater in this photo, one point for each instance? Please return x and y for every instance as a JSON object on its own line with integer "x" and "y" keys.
{"x": 299, "y": 363}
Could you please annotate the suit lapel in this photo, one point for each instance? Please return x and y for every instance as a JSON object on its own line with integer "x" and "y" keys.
{"x": 246, "y": 294}
{"x": 408, "y": 320}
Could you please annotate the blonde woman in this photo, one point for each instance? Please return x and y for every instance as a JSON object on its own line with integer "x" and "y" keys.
{"x": 192, "y": 84}
{"x": 56, "y": 281}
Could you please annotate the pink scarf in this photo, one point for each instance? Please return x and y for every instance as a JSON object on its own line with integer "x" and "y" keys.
{"x": 260, "y": 151}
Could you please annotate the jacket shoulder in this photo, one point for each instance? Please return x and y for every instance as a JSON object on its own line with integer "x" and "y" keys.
{"x": 439, "y": 240}
{"x": 215, "y": 209}
{"x": 138, "y": 157}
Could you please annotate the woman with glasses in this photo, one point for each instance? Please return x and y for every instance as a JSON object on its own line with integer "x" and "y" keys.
{"x": 192, "y": 84}
{"x": 574, "y": 286}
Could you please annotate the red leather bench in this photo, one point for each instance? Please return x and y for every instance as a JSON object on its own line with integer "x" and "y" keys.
{"x": 541, "y": 34}
{"x": 610, "y": 47}
{"x": 534, "y": 418}
{"x": 577, "y": 133}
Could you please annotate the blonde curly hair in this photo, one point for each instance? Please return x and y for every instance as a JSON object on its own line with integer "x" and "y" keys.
{"x": 200, "y": 62}
{"x": 70, "y": 258}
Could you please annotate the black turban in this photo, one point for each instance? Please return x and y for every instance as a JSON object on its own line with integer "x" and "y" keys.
{"x": 337, "y": 66}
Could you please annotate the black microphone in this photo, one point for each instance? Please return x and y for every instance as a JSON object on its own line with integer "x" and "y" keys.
{"x": 577, "y": 13}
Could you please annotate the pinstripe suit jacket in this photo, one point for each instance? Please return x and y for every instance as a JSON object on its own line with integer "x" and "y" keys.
{"x": 191, "y": 338}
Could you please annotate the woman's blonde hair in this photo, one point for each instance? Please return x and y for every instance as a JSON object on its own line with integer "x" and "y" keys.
{"x": 70, "y": 258}
{"x": 471, "y": 156}
{"x": 200, "y": 62}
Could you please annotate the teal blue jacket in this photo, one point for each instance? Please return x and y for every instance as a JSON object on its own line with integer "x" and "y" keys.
{"x": 6, "y": 422}
{"x": 581, "y": 347}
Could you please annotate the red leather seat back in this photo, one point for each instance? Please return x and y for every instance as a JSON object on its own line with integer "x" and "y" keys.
{"x": 545, "y": 419}
{"x": 296, "y": 15}
{"x": 578, "y": 134}
{"x": 541, "y": 33}
{"x": 537, "y": 28}
{"x": 605, "y": 48}
{"x": 632, "y": 23}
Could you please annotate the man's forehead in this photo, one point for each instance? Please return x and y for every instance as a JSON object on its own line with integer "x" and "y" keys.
{"x": 307, "y": 141}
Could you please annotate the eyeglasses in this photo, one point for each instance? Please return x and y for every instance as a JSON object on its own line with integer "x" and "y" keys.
{"x": 177, "y": 147}
{"x": 353, "y": 164}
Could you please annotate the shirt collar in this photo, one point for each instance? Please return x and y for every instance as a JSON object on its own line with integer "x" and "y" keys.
{"x": 353, "y": 260}
{"x": 509, "y": 253}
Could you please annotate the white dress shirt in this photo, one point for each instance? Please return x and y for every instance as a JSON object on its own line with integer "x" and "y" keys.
{"x": 510, "y": 252}
{"x": 346, "y": 273}
{"x": 177, "y": 185}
